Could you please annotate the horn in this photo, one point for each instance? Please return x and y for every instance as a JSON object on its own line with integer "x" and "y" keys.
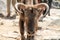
{"x": 19, "y": 5}
{"x": 39, "y": 6}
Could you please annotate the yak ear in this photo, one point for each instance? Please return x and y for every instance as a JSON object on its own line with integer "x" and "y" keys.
{"x": 19, "y": 6}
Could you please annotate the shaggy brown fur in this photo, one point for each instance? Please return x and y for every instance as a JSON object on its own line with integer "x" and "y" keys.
{"x": 29, "y": 15}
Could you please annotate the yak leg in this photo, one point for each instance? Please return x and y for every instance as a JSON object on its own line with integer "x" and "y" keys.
{"x": 49, "y": 3}
{"x": 18, "y": 0}
{"x": 13, "y": 3}
{"x": 8, "y": 7}
{"x": 21, "y": 25}
{"x": 35, "y": 1}
{"x": 21, "y": 1}
{"x": 49, "y": 9}
{"x": 49, "y": 12}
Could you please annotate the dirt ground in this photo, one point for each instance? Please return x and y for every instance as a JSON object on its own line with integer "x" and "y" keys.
{"x": 9, "y": 28}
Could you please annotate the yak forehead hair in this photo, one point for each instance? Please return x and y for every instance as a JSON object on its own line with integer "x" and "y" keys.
{"x": 30, "y": 12}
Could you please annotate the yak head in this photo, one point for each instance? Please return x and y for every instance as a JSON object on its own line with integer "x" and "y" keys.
{"x": 31, "y": 13}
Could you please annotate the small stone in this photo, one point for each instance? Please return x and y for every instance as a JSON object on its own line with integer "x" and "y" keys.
{"x": 1, "y": 23}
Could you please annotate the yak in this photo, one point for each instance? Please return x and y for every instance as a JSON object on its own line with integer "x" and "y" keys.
{"x": 29, "y": 15}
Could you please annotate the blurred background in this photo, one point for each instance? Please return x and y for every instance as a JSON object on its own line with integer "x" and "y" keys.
{"x": 50, "y": 27}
